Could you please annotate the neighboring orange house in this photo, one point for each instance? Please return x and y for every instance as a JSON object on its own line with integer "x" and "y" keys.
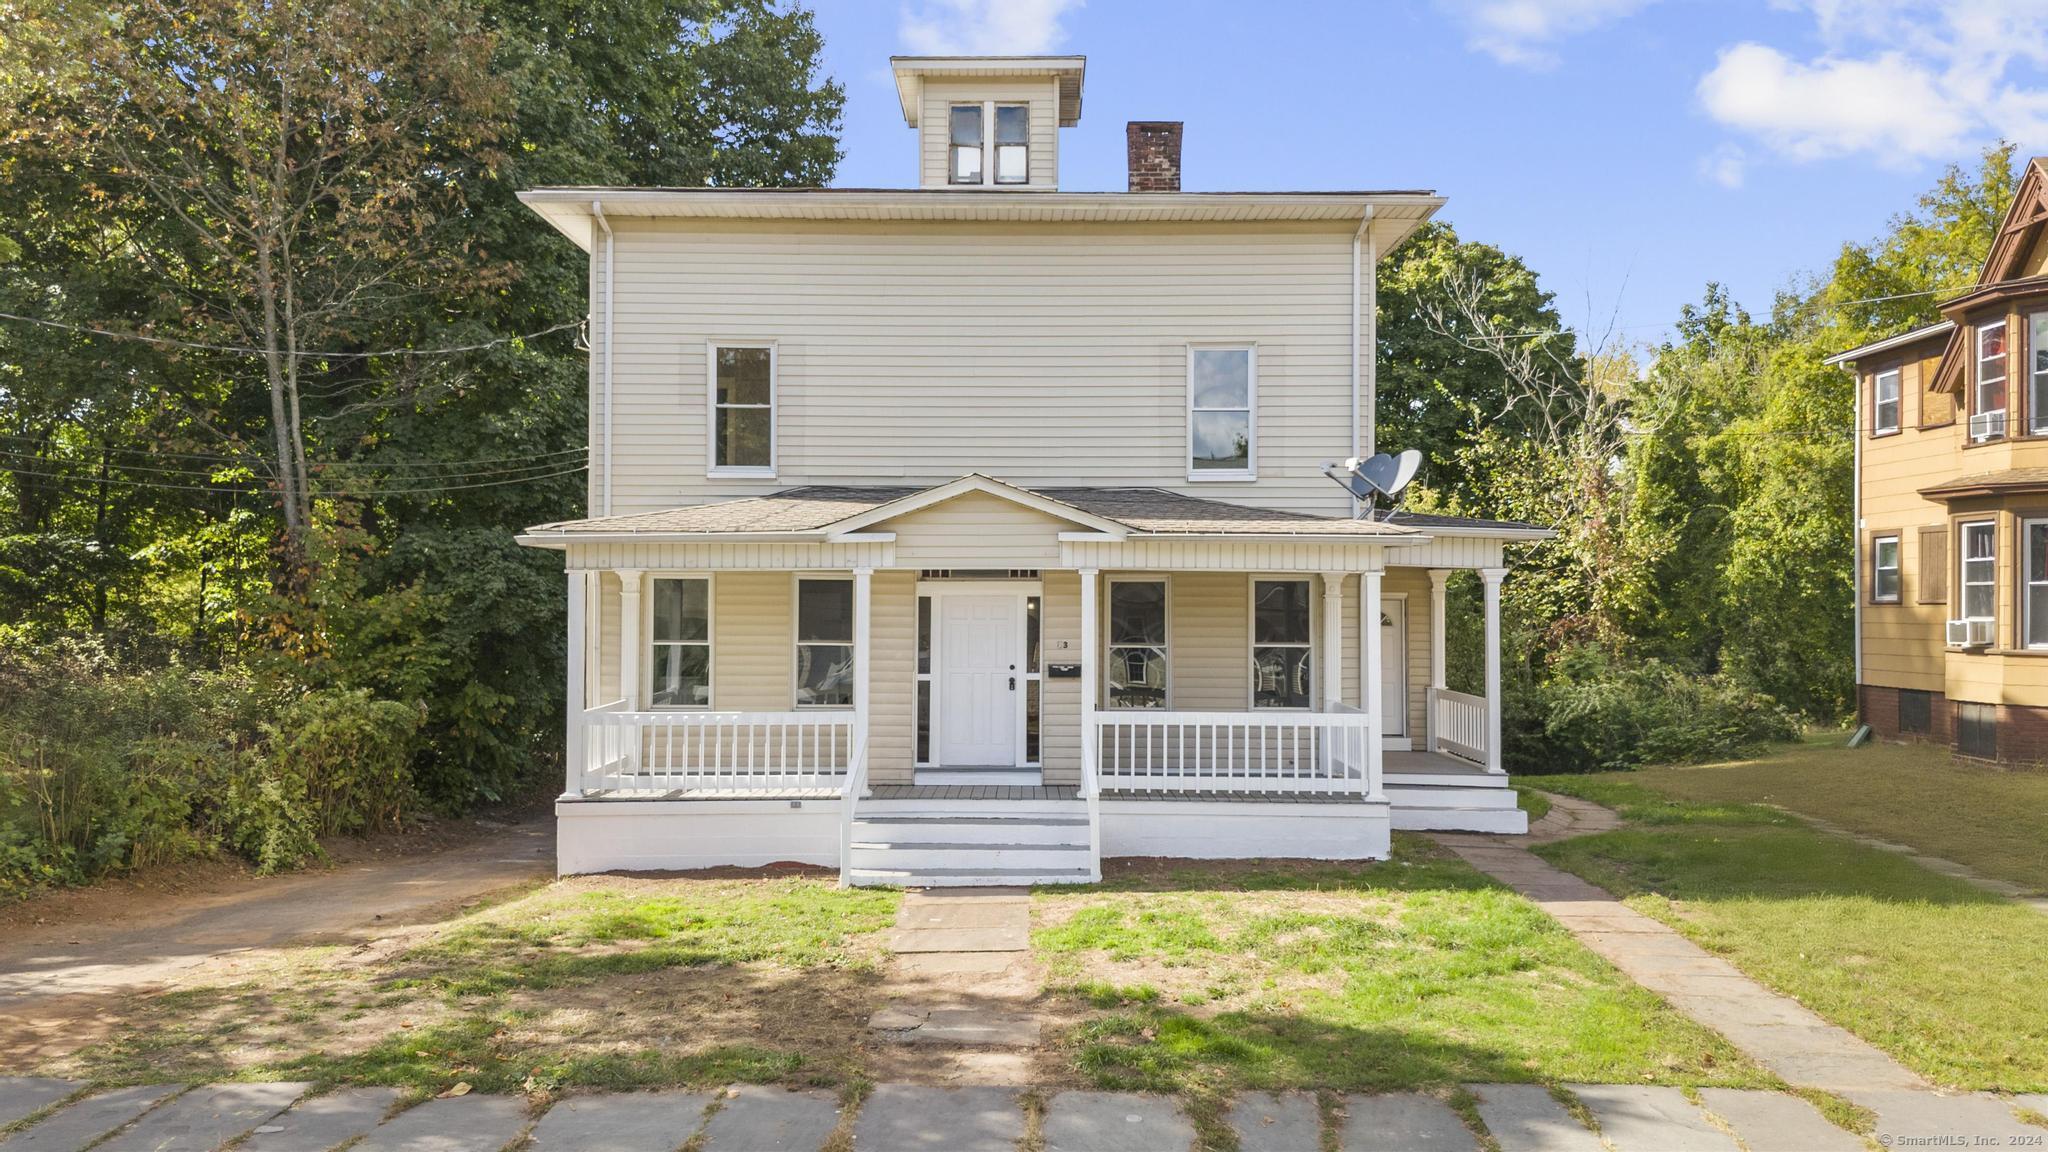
{"x": 1952, "y": 508}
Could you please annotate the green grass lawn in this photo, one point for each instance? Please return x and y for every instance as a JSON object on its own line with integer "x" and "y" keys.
{"x": 1990, "y": 819}
{"x": 1417, "y": 972}
{"x": 599, "y": 982}
{"x": 1946, "y": 978}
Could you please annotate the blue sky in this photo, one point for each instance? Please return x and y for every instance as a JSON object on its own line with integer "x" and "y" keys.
{"x": 1630, "y": 150}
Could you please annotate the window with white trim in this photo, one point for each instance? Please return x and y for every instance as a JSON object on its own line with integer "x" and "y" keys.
{"x": 1034, "y": 677}
{"x": 1222, "y": 412}
{"x": 824, "y": 643}
{"x": 1884, "y": 569}
{"x": 1013, "y": 143}
{"x": 743, "y": 409}
{"x": 1987, "y": 410}
{"x": 924, "y": 680}
{"x": 1283, "y": 645}
{"x": 680, "y": 636}
{"x": 2037, "y": 374}
{"x": 1980, "y": 570}
{"x": 1884, "y": 405}
{"x": 1137, "y": 644}
{"x": 963, "y": 128}
{"x": 2035, "y": 608}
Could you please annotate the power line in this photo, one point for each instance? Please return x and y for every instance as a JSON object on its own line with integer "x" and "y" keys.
{"x": 316, "y": 471}
{"x": 359, "y": 493}
{"x": 260, "y": 458}
{"x": 200, "y": 346}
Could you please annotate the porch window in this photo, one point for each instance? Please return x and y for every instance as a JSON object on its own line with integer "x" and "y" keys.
{"x": 1222, "y": 407}
{"x": 1283, "y": 663}
{"x": 681, "y": 637}
{"x": 1034, "y": 626}
{"x": 1987, "y": 411}
{"x": 2036, "y": 607}
{"x": 1885, "y": 402}
{"x": 963, "y": 125}
{"x": 2037, "y": 374}
{"x": 743, "y": 410}
{"x": 1884, "y": 569}
{"x": 1980, "y": 570}
{"x": 824, "y": 644}
{"x": 1137, "y": 644}
{"x": 924, "y": 680}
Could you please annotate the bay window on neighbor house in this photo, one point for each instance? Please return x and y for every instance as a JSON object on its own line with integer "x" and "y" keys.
{"x": 1884, "y": 405}
{"x": 1980, "y": 570}
{"x": 1987, "y": 409}
{"x": 824, "y": 643}
{"x": 1283, "y": 660}
{"x": 2034, "y": 610}
{"x": 680, "y": 662}
{"x": 743, "y": 410}
{"x": 1138, "y": 644}
{"x": 1222, "y": 413}
{"x": 1884, "y": 570}
{"x": 2037, "y": 374}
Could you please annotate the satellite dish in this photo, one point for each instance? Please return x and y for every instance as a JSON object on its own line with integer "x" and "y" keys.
{"x": 1377, "y": 476}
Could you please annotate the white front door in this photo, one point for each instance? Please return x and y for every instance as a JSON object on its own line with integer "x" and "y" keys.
{"x": 1394, "y": 671}
{"x": 980, "y": 651}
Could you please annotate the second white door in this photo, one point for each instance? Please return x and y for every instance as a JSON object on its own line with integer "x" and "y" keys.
{"x": 979, "y": 680}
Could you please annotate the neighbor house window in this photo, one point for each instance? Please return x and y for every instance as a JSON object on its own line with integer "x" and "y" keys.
{"x": 1916, "y": 710}
{"x": 1980, "y": 570}
{"x": 1283, "y": 665}
{"x": 1137, "y": 644}
{"x": 1987, "y": 411}
{"x": 1884, "y": 569}
{"x": 743, "y": 409}
{"x": 824, "y": 643}
{"x": 1222, "y": 401}
{"x": 1013, "y": 143}
{"x": 2037, "y": 373}
{"x": 2036, "y": 608}
{"x": 1977, "y": 730}
{"x": 680, "y": 668}
{"x": 1885, "y": 402}
{"x": 964, "y": 126}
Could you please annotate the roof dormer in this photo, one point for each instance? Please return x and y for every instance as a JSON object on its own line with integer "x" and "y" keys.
{"x": 989, "y": 123}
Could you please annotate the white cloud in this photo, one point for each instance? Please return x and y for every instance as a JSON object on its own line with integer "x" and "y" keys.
{"x": 1902, "y": 81}
{"x": 1523, "y": 32}
{"x": 984, "y": 27}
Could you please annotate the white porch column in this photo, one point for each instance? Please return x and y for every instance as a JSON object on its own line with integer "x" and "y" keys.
{"x": 863, "y": 590}
{"x": 630, "y": 641}
{"x": 1491, "y": 578}
{"x": 1091, "y": 747}
{"x": 1369, "y": 681}
{"x": 1438, "y": 594}
{"x": 573, "y": 705}
{"x": 1332, "y": 673}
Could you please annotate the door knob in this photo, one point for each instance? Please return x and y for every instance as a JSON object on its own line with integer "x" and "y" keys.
{"x": 1013, "y": 683}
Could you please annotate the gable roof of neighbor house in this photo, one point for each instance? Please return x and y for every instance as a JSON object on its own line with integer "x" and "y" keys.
{"x": 1890, "y": 343}
{"x": 820, "y": 511}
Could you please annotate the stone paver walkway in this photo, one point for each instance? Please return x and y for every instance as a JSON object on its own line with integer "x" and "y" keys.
{"x": 959, "y": 990}
{"x": 906, "y": 1117}
{"x": 1570, "y": 816}
{"x": 2017, "y": 893}
{"x": 1777, "y": 1031}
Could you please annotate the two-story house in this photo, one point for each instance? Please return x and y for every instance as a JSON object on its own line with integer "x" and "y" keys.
{"x": 1952, "y": 508}
{"x": 970, "y": 531}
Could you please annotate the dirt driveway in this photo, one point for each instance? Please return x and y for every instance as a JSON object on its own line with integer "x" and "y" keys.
{"x": 65, "y": 966}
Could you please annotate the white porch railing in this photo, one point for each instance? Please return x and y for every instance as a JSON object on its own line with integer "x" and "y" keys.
{"x": 1457, "y": 724}
{"x": 663, "y": 751}
{"x": 1144, "y": 751}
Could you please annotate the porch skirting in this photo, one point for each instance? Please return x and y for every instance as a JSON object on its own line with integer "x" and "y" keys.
{"x": 1246, "y": 830}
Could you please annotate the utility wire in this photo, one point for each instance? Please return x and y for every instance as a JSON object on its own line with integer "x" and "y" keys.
{"x": 317, "y": 471}
{"x": 260, "y": 458}
{"x": 171, "y": 342}
{"x": 356, "y": 493}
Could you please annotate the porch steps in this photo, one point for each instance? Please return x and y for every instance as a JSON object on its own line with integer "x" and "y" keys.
{"x": 921, "y": 844}
{"x": 1455, "y": 803}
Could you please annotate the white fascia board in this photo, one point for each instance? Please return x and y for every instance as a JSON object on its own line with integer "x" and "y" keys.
{"x": 987, "y": 485}
{"x": 1391, "y": 540}
{"x": 559, "y": 540}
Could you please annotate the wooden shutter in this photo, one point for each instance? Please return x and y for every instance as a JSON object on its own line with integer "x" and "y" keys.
{"x": 1933, "y": 583}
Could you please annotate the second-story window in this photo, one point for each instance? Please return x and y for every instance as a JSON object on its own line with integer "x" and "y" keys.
{"x": 1222, "y": 409}
{"x": 1980, "y": 570}
{"x": 1884, "y": 570}
{"x": 1013, "y": 143}
{"x": 743, "y": 409}
{"x": 1987, "y": 411}
{"x": 2037, "y": 374}
{"x": 964, "y": 125}
{"x": 1884, "y": 405}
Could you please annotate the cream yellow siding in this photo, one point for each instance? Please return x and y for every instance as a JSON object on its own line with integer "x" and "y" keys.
{"x": 914, "y": 354}
{"x": 753, "y": 641}
{"x": 892, "y": 677}
{"x": 1061, "y": 722}
{"x": 976, "y": 530}
{"x": 934, "y": 141}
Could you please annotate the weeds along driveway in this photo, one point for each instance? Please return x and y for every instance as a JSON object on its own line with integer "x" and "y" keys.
{"x": 60, "y": 980}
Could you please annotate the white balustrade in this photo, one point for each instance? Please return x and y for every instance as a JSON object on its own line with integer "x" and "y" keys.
{"x": 1258, "y": 752}
{"x": 652, "y": 752}
{"x": 1457, "y": 723}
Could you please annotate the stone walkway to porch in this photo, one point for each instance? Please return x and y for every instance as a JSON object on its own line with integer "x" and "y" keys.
{"x": 960, "y": 987}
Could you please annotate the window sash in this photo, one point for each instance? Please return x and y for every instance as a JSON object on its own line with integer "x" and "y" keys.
{"x": 1282, "y": 666}
{"x": 1140, "y": 657}
{"x": 727, "y": 415}
{"x": 1211, "y": 415}
{"x": 1980, "y": 571}
{"x": 1013, "y": 144}
{"x": 1987, "y": 415}
{"x": 679, "y": 648}
{"x": 2037, "y": 375}
{"x": 1885, "y": 407}
{"x": 1884, "y": 563}
{"x": 825, "y": 669}
{"x": 965, "y": 132}
{"x": 2035, "y": 606}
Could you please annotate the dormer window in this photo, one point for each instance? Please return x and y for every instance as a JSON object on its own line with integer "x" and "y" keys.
{"x": 965, "y": 126}
{"x": 968, "y": 159}
{"x": 1987, "y": 410}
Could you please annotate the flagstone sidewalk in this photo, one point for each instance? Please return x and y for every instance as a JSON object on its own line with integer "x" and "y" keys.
{"x": 60, "y": 1115}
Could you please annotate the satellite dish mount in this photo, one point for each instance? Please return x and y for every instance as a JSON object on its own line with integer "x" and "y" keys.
{"x": 1374, "y": 478}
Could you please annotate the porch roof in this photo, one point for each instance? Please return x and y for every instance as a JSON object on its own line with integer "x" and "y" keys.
{"x": 2003, "y": 481}
{"x": 824, "y": 512}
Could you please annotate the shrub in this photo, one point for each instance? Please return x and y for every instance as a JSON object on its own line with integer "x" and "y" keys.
{"x": 1593, "y": 713}
{"x": 334, "y": 761}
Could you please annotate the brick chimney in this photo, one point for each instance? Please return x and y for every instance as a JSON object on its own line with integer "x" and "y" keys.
{"x": 1153, "y": 149}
